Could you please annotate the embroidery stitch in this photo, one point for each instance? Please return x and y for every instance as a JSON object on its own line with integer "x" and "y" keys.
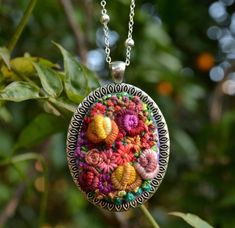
{"x": 117, "y": 149}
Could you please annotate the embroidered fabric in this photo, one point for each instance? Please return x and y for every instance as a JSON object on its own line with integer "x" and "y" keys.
{"x": 117, "y": 149}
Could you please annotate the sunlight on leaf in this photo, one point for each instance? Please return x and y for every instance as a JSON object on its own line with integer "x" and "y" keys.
{"x": 19, "y": 91}
{"x": 76, "y": 84}
{"x": 50, "y": 80}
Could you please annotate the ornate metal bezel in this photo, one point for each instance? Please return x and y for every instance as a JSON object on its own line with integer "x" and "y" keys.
{"x": 163, "y": 137}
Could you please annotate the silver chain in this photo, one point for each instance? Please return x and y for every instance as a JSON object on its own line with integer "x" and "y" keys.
{"x": 129, "y": 43}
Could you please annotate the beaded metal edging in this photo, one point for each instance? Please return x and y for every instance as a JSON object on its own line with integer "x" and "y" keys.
{"x": 163, "y": 138}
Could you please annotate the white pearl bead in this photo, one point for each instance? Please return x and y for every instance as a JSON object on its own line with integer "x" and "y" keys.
{"x": 129, "y": 42}
{"x": 104, "y": 19}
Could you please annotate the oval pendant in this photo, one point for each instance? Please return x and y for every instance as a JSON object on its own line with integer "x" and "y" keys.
{"x": 118, "y": 147}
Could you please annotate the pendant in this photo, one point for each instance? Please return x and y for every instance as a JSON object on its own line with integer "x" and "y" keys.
{"x": 118, "y": 147}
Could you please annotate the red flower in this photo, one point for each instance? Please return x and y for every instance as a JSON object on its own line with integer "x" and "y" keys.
{"x": 98, "y": 108}
{"x": 148, "y": 140}
{"x": 125, "y": 154}
{"x": 87, "y": 119}
{"x": 110, "y": 103}
{"x": 89, "y": 179}
{"x": 117, "y": 108}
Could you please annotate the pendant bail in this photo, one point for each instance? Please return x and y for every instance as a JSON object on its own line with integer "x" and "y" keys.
{"x": 117, "y": 70}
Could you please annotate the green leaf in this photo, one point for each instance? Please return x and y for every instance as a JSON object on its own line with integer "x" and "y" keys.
{"x": 5, "y": 56}
{"x": 185, "y": 144}
{"x": 19, "y": 91}
{"x": 50, "y": 80}
{"x": 192, "y": 220}
{"x": 92, "y": 79}
{"x": 39, "y": 129}
{"x": 5, "y": 115}
{"x": 75, "y": 80}
{"x": 229, "y": 199}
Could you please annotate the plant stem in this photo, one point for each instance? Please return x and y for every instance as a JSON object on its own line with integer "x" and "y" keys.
{"x": 21, "y": 25}
{"x": 76, "y": 28}
{"x": 149, "y": 216}
{"x": 22, "y": 157}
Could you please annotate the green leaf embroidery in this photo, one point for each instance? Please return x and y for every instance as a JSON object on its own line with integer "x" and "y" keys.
{"x": 39, "y": 129}
{"x": 192, "y": 220}
{"x": 76, "y": 84}
{"x": 19, "y": 91}
{"x": 50, "y": 80}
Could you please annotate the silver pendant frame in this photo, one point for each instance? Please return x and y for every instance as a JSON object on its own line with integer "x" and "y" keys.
{"x": 163, "y": 137}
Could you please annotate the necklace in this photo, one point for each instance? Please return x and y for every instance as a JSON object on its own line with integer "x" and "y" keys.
{"x": 118, "y": 67}
{"x": 118, "y": 142}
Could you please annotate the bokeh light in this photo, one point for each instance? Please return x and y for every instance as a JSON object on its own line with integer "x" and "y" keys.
{"x": 217, "y": 74}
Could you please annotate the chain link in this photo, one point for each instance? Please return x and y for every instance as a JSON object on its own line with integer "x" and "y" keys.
{"x": 129, "y": 41}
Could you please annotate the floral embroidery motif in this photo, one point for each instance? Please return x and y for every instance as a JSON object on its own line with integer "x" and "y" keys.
{"x": 147, "y": 165}
{"x": 117, "y": 149}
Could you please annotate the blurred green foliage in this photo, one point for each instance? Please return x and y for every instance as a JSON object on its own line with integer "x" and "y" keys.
{"x": 170, "y": 36}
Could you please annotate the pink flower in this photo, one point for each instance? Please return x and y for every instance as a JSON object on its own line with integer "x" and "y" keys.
{"x": 147, "y": 165}
{"x": 131, "y": 105}
{"x": 109, "y": 161}
{"x": 136, "y": 99}
{"x": 93, "y": 157}
{"x": 139, "y": 107}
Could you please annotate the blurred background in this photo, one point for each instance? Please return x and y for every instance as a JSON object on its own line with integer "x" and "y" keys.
{"x": 184, "y": 58}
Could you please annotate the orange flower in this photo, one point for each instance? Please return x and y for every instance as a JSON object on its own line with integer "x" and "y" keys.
{"x": 205, "y": 61}
{"x": 125, "y": 177}
{"x": 113, "y": 135}
{"x": 164, "y": 88}
{"x": 102, "y": 129}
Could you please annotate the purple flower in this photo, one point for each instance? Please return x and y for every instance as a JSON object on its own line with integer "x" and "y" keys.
{"x": 79, "y": 154}
{"x": 105, "y": 184}
{"x": 125, "y": 99}
{"x": 80, "y": 142}
{"x": 130, "y": 121}
{"x": 81, "y": 139}
{"x": 81, "y": 164}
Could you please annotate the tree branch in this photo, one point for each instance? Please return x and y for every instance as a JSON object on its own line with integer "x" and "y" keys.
{"x": 21, "y": 25}
{"x": 10, "y": 208}
{"x": 76, "y": 28}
